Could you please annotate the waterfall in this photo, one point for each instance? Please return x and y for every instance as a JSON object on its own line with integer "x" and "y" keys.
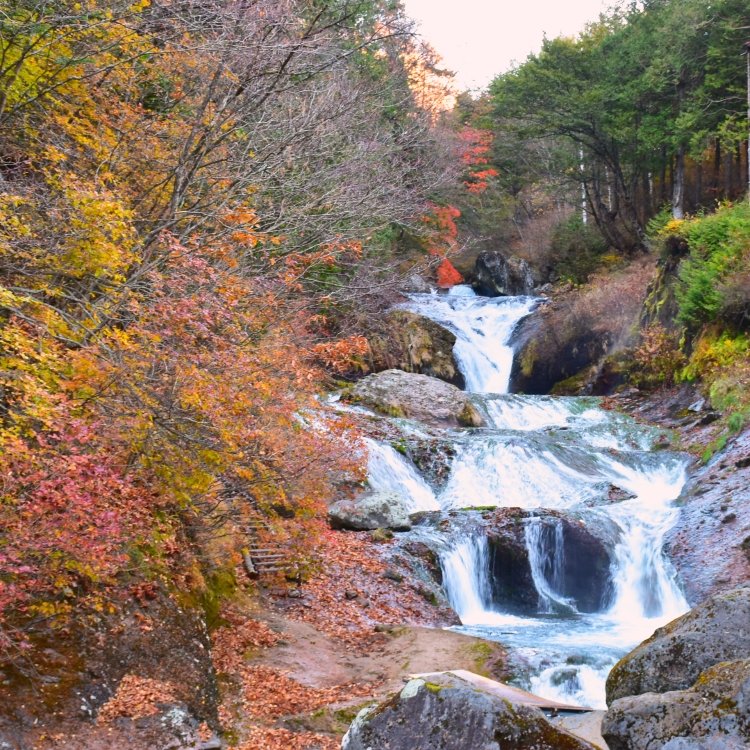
{"x": 645, "y": 582}
{"x": 466, "y": 577}
{"x": 483, "y": 328}
{"x": 546, "y": 549}
{"x": 388, "y": 471}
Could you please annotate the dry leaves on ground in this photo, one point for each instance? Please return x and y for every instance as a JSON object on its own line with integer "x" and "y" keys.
{"x": 135, "y": 698}
{"x": 350, "y": 563}
{"x": 231, "y": 642}
{"x": 265, "y": 738}
{"x": 270, "y": 694}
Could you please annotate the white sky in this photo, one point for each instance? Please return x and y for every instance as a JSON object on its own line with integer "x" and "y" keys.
{"x": 478, "y": 39}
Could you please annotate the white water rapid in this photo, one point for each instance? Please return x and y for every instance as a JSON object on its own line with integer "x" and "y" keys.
{"x": 555, "y": 458}
{"x": 388, "y": 471}
{"x": 482, "y": 328}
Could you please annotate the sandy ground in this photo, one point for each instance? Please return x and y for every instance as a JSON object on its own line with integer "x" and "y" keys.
{"x": 314, "y": 658}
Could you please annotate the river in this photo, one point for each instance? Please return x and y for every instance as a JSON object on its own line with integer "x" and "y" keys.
{"x": 543, "y": 453}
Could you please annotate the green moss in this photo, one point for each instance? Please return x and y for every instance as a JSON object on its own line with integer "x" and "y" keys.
{"x": 400, "y": 446}
{"x": 573, "y": 385}
{"x": 528, "y": 360}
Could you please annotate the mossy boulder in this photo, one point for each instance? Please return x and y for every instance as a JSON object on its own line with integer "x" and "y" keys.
{"x": 673, "y": 658}
{"x": 714, "y": 713}
{"x": 413, "y": 343}
{"x": 552, "y": 347}
{"x": 448, "y": 713}
{"x": 402, "y": 394}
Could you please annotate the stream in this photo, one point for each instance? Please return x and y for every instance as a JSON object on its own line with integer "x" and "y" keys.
{"x": 548, "y": 456}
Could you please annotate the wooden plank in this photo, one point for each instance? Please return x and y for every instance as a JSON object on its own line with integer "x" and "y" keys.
{"x": 504, "y": 691}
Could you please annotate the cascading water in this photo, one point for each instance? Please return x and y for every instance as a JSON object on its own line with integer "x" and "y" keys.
{"x": 546, "y": 550}
{"x": 466, "y": 577}
{"x": 482, "y": 328}
{"x": 561, "y": 453}
{"x": 388, "y": 471}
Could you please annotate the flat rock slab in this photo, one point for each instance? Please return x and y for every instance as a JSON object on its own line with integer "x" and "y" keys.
{"x": 588, "y": 726}
{"x": 502, "y": 690}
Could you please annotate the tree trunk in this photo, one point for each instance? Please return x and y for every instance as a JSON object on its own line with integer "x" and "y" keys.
{"x": 698, "y": 191}
{"x": 678, "y": 185}
{"x": 716, "y": 177}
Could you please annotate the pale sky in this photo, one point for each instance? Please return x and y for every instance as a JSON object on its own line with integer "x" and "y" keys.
{"x": 478, "y": 39}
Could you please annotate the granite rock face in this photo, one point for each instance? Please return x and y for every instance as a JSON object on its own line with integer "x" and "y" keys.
{"x": 675, "y": 656}
{"x": 715, "y": 516}
{"x": 585, "y": 577}
{"x": 714, "y": 714}
{"x": 496, "y": 275}
{"x": 377, "y": 510}
{"x": 413, "y": 343}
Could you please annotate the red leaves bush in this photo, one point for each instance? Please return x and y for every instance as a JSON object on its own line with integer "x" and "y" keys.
{"x": 67, "y": 515}
{"x": 447, "y": 276}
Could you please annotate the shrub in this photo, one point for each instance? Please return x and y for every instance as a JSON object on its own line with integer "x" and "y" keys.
{"x": 576, "y": 249}
{"x": 658, "y": 357}
{"x": 713, "y": 278}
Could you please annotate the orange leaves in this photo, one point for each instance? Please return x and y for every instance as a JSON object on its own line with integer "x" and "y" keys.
{"x": 350, "y": 562}
{"x": 446, "y": 275}
{"x": 232, "y": 642}
{"x": 442, "y": 231}
{"x": 247, "y": 221}
{"x": 270, "y": 694}
{"x": 267, "y": 738}
{"x": 477, "y": 148}
{"x": 344, "y": 355}
{"x": 135, "y": 698}
{"x": 266, "y": 694}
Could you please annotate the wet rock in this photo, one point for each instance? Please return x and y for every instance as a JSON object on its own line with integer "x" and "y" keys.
{"x": 672, "y": 659}
{"x": 715, "y": 516}
{"x": 413, "y": 343}
{"x": 376, "y": 510}
{"x": 616, "y": 494}
{"x": 433, "y": 458}
{"x": 416, "y": 283}
{"x": 713, "y": 713}
{"x": 381, "y": 535}
{"x": 401, "y": 394}
{"x": 452, "y": 715}
{"x": 496, "y": 275}
{"x": 553, "y": 348}
{"x": 512, "y": 583}
{"x": 585, "y": 574}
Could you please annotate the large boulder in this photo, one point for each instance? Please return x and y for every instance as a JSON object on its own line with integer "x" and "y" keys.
{"x": 496, "y": 275}
{"x": 403, "y": 394}
{"x": 673, "y": 658}
{"x": 376, "y": 510}
{"x": 451, "y": 714}
{"x": 714, "y": 714}
{"x": 584, "y": 577}
{"x": 413, "y": 343}
{"x": 552, "y": 346}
